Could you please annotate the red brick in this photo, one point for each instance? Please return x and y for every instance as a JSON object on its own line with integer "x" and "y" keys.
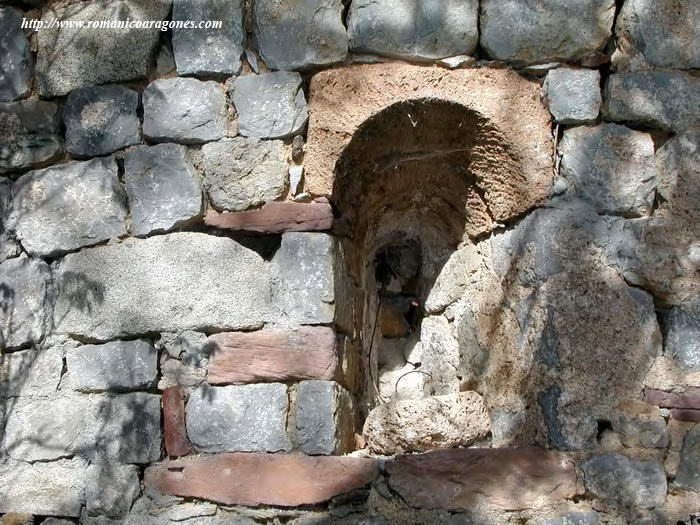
{"x": 275, "y": 217}
{"x": 273, "y": 355}
{"x": 176, "y": 442}
{"x": 685, "y": 414}
{"x": 460, "y": 479}
{"x": 688, "y": 399}
{"x": 284, "y": 480}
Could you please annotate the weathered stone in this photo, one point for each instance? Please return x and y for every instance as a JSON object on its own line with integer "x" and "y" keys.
{"x": 163, "y": 187}
{"x": 678, "y": 164}
{"x": 660, "y": 34}
{"x": 30, "y": 373}
{"x": 25, "y": 307}
{"x": 240, "y": 173}
{"x": 98, "y": 299}
{"x": 419, "y": 425}
{"x": 16, "y": 74}
{"x": 255, "y": 479}
{"x": 574, "y": 95}
{"x": 62, "y": 208}
{"x": 201, "y": 51}
{"x": 689, "y": 470}
{"x": 270, "y": 106}
{"x": 663, "y": 99}
{"x": 681, "y": 414}
{"x": 17, "y": 519}
{"x": 276, "y": 217}
{"x": 688, "y": 399}
{"x": 459, "y": 479}
{"x": 56, "y": 488}
{"x": 640, "y": 425}
{"x": 300, "y": 35}
{"x": 440, "y": 358}
{"x": 30, "y": 135}
{"x": 8, "y": 244}
{"x": 324, "y": 418}
{"x": 620, "y": 482}
{"x": 175, "y": 436}
{"x": 523, "y": 33}
{"x": 572, "y": 518}
{"x": 461, "y": 267}
{"x": 304, "y": 288}
{"x": 682, "y": 341}
{"x": 71, "y": 58}
{"x": 115, "y": 366}
{"x": 188, "y": 345}
{"x": 414, "y": 29}
{"x": 610, "y": 167}
{"x": 100, "y": 120}
{"x": 273, "y": 355}
{"x": 110, "y": 489}
{"x": 184, "y": 110}
{"x": 246, "y": 418}
{"x": 187, "y": 373}
{"x": 56, "y": 521}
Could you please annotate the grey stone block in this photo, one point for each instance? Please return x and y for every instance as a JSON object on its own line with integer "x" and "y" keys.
{"x": 163, "y": 187}
{"x": 574, "y": 95}
{"x": 100, "y": 120}
{"x": 111, "y": 489}
{"x": 688, "y": 476}
{"x": 179, "y": 281}
{"x": 525, "y": 32}
{"x": 682, "y": 341}
{"x": 241, "y": 173}
{"x": 31, "y": 373}
{"x": 324, "y": 418}
{"x": 16, "y": 74}
{"x": 25, "y": 301}
{"x": 115, "y": 366}
{"x": 572, "y": 518}
{"x": 184, "y": 110}
{"x": 30, "y": 135}
{"x": 299, "y": 35}
{"x": 69, "y": 59}
{"x": 640, "y": 425}
{"x": 270, "y": 106}
{"x": 414, "y": 29}
{"x": 243, "y": 418}
{"x": 610, "y": 167}
{"x": 186, "y": 345}
{"x": 8, "y": 244}
{"x": 209, "y": 51}
{"x": 660, "y": 99}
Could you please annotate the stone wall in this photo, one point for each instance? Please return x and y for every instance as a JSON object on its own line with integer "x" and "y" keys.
{"x": 351, "y": 262}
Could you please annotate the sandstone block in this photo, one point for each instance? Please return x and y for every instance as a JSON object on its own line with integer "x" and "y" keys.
{"x": 30, "y": 135}
{"x": 574, "y": 95}
{"x": 175, "y": 434}
{"x": 17, "y": 71}
{"x": 689, "y": 399}
{"x": 275, "y": 217}
{"x": 324, "y": 418}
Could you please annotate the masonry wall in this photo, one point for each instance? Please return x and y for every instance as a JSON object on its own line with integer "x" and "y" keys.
{"x": 188, "y": 218}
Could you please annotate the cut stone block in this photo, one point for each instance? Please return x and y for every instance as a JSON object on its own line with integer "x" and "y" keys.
{"x": 111, "y": 488}
{"x": 574, "y": 95}
{"x": 30, "y": 373}
{"x": 16, "y": 74}
{"x": 175, "y": 435}
{"x": 689, "y": 470}
{"x": 682, "y": 342}
{"x": 275, "y": 217}
{"x": 688, "y": 399}
{"x": 324, "y": 418}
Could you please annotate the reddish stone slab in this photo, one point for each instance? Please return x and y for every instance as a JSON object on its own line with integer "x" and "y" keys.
{"x": 688, "y": 399}
{"x": 275, "y": 217}
{"x": 273, "y": 355}
{"x": 685, "y": 414}
{"x": 459, "y": 479}
{"x": 262, "y": 479}
{"x": 176, "y": 442}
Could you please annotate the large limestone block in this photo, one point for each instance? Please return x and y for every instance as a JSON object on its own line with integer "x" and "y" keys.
{"x": 70, "y": 57}
{"x": 111, "y": 489}
{"x": 180, "y": 281}
{"x": 30, "y": 373}
{"x": 573, "y": 94}
{"x": 324, "y": 418}
{"x": 16, "y": 74}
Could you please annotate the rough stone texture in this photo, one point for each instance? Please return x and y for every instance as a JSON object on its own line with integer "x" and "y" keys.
{"x": 8, "y": 244}
{"x": 619, "y": 482}
{"x": 174, "y": 432}
{"x": 271, "y": 105}
{"x": 97, "y": 299}
{"x": 682, "y": 341}
{"x": 303, "y": 290}
{"x": 163, "y": 187}
{"x": 255, "y": 479}
{"x": 16, "y": 74}
{"x": 300, "y": 35}
{"x": 110, "y": 489}
{"x": 240, "y": 173}
{"x": 115, "y": 366}
{"x": 663, "y": 99}
{"x": 276, "y": 217}
{"x": 30, "y": 135}
{"x": 184, "y": 110}
{"x": 461, "y": 268}
{"x": 25, "y": 306}
{"x": 56, "y": 521}
{"x": 30, "y": 373}
{"x": 244, "y": 418}
{"x": 660, "y": 34}
{"x": 462, "y": 479}
{"x": 209, "y": 51}
{"x": 324, "y": 418}
{"x": 690, "y": 398}
{"x": 56, "y": 488}
{"x": 574, "y": 95}
{"x": 526, "y": 33}
{"x": 100, "y": 120}
{"x": 440, "y": 357}
{"x": 124, "y": 428}
{"x": 187, "y": 372}
{"x": 640, "y": 425}
{"x": 689, "y": 415}
{"x": 611, "y": 167}
{"x": 419, "y": 425}
{"x": 572, "y": 518}
{"x": 414, "y": 29}
{"x": 689, "y": 469}
{"x": 273, "y": 355}
{"x": 70, "y": 58}
{"x": 62, "y": 208}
